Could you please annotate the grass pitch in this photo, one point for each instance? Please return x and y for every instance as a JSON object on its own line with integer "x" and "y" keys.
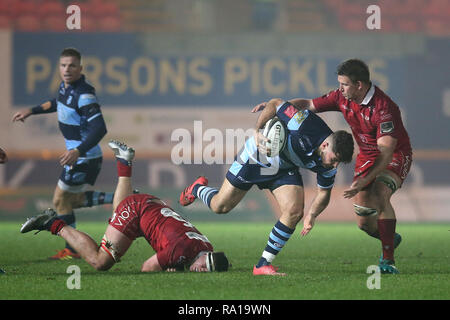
{"x": 330, "y": 263}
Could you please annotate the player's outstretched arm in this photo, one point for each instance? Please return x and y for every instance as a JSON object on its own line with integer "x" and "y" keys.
{"x": 303, "y": 104}
{"x": 21, "y": 115}
{"x": 320, "y": 202}
{"x": 299, "y": 103}
{"x": 46, "y": 107}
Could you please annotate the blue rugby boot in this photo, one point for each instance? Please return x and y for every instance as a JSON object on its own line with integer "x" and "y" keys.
{"x": 388, "y": 267}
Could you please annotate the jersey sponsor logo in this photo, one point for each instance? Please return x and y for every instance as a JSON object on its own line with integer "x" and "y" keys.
{"x": 365, "y": 117}
{"x": 385, "y": 116}
{"x": 362, "y": 137}
{"x": 301, "y": 116}
{"x": 118, "y": 219}
{"x": 386, "y": 127}
{"x": 290, "y": 111}
{"x": 69, "y": 100}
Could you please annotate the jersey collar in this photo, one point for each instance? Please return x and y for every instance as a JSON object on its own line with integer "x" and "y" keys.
{"x": 369, "y": 95}
{"x": 73, "y": 85}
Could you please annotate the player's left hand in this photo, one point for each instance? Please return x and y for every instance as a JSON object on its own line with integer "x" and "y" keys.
{"x": 259, "y": 107}
{"x": 356, "y": 187}
{"x": 69, "y": 157}
{"x": 308, "y": 224}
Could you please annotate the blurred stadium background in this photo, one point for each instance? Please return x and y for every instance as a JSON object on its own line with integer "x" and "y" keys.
{"x": 160, "y": 65}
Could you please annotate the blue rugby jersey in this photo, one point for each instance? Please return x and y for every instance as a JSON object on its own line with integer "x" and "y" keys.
{"x": 305, "y": 132}
{"x": 79, "y": 117}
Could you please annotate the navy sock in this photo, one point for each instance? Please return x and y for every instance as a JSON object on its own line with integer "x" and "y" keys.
{"x": 278, "y": 237}
{"x": 205, "y": 193}
{"x": 95, "y": 198}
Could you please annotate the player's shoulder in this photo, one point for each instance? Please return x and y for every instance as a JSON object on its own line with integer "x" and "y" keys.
{"x": 382, "y": 100}
{"x": 84, "y": 87}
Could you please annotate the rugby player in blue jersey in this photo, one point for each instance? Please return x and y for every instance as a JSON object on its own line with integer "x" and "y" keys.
{"x": 82, "y": 125}
{"x": 311, "y": 144}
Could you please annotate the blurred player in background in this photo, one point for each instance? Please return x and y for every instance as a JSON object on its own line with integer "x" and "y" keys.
{"x": 176, "y": 241}
{"x": 311, "y": 144}
{"x": 385, "y": 153}
{"x": 82, "y": 125}
{"x": 3, "y": 156}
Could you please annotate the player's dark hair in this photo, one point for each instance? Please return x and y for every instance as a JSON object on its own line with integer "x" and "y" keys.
{"x": 355, "y": 69}
{"x": 343, "y": 146}
{"x": 71, "y": 52}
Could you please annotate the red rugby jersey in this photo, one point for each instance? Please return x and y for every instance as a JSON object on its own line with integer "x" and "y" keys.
{"x": 162, "y": 227}
{"x": 375, "y": 117}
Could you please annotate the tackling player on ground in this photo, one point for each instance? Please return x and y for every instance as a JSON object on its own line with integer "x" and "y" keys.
{"x": 311, "y": 144}
{"x": 385, "y": 153}
{"x": 176, "y": 241}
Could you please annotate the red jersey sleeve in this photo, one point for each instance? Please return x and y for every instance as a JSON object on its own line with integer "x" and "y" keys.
{"x": 327, "y": 102}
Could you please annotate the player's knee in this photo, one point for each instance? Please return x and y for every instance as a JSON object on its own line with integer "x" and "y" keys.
{"x": 295, "y": 214}
{"x": 56, "y": 200}
{"x": 222, "y": 208}
{"x": 61, "y": 201}
{"x": 102, "y": 266}
{"x": 101, "y": 263}
{"x": 367, "y": 227}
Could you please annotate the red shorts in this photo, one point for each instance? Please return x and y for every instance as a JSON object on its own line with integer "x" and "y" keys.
{"x": 175, "y": 240}
{"x": 400, "y": 164}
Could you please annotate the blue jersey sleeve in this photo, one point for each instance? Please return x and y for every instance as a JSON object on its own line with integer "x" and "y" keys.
{"x": 325, "y": 179}
{"x": 89, "y": 108}
{"x": 46, "y": 107}
{"x": 291, "y": 116}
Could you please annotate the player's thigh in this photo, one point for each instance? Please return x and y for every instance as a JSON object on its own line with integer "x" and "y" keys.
{"x": 118, "y": 240}
{"x": 64, "y": 200}
{"x": 228, "y": 196}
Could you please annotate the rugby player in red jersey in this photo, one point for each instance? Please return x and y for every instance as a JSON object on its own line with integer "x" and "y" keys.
{"x": 176, "y": 241}
{"x": 385, "y": 153}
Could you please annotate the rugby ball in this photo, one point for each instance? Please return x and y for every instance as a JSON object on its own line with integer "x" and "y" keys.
{"x": 275, "y": 131}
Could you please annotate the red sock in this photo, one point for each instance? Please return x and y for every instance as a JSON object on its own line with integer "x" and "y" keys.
{"x": 123, "y": 170}
{"x": 57, "y": 225}
{"x": 386, "y": 228}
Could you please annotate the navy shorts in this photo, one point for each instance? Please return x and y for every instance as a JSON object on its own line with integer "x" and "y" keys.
{"x": 244, "y": 175}
{"x": 75, "y": 178}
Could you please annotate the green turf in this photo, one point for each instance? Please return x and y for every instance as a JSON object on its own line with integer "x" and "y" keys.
{"x": 330, "y": 263}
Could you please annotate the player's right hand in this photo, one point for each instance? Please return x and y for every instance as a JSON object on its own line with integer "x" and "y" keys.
{"x": 260, "y": 141}
{"x": 21, "y": 115}
{"x": 308, "y": 224}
